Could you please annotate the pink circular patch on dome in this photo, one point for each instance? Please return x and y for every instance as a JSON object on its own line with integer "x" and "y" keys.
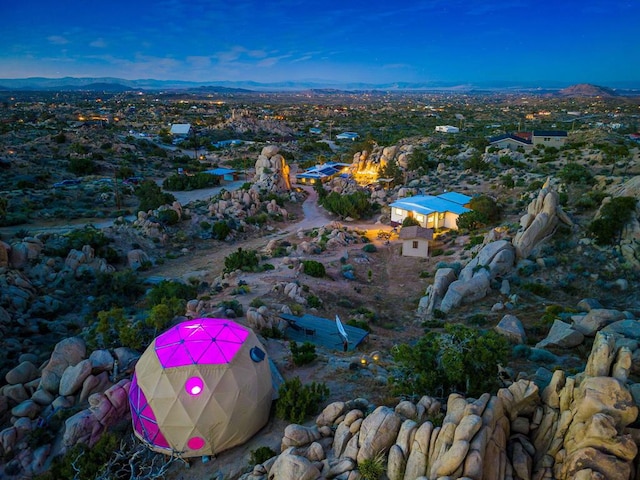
{"x": 194, "y": 385}
{"x": 196, "y": 443}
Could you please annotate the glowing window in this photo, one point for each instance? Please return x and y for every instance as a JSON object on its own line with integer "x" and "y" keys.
{"x": 196, "y": 443}
{"x": 419, "y": 217}
{"x": 194, "y": 385}
{"x": 399, "y": 211}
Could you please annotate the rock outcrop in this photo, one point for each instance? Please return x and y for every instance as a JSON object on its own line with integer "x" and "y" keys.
{"x": 576, "y": 428}
{"x": 272, "y": 171}
{"x": 542, "y": 217}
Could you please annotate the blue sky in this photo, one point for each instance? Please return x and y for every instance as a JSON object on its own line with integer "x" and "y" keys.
{"x": 472, "y": 41}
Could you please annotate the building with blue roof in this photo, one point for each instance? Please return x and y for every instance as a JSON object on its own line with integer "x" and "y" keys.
{"x": 324, "y": 172}
{"x": 431, "y": 211}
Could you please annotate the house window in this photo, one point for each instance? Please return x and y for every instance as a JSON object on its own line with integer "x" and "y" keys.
{"x": 419, "y": 217}
{"x": 399, "y": 211}
{"x": 415, "y": 244}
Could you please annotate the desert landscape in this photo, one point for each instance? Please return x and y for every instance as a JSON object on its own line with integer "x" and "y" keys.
{"x": 508, "y": 350}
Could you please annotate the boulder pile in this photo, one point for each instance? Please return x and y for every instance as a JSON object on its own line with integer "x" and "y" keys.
{"x": 576, "y": 427}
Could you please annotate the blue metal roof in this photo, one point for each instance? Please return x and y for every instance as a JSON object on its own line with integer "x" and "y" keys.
{"x": 428, "y": 204}
{"x": 220, "y": 171}
{"x": 321, "y": 331}
{"x": 455, "y": 197}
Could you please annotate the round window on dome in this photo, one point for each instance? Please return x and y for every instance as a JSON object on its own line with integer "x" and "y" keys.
{"x": 194, "y": 386}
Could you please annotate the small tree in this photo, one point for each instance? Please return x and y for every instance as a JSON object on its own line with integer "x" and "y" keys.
{"x": 241, "y": 260}
{"x": 313, "y": 268}
{"x": 459, "y": 360}
{"x": 151, "y": 196}
{"x": 614, "y": 215}
{"x": 297, "y": 401}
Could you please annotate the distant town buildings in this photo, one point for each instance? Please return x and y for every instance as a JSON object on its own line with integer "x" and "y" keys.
{"x": 180, "y": 129}
{"x": 347, "y": 136}
{"x": 447, "y": 129}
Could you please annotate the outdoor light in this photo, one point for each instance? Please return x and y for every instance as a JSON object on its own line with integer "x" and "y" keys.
{"x": 376, "y": 356}
{"x": 363, "y": 361}
{"x": 196, "y": 443}
{"x": 194, "y": 385}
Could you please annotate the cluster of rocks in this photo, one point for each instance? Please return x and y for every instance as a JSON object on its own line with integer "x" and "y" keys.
{"x": 573, "y": 427}
{"x": 379, "y": 157}
{"x": 630, "y": 238}
{"x": 272, "y": 171}
{"x": 496, "y": 258}
{"x": 540, "y": 222}
{"x": 240, "y": 204}
{"x": 34, "y": 395}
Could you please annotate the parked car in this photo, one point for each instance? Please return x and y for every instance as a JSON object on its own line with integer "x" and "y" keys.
{"x": 66, "y": 183}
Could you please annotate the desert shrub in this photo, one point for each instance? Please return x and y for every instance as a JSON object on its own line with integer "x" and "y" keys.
{"x": 112, "y": 328}
{"x": 233, "y": 305}
{"x": 535, "y": 185}
{"x": 118, "y": 289}
{"x": 410, "y": 221}
{"x": 257, "y": 303}
{"x": 355, "y": 205}
{"x": 372, "y": 468}
{"x": 507, "y": 180}
{"x": 151, "y": 196}
{"x": 297, "y": 401}
{"x": 168, "y": 289}
{"x": 314, "y": 302}
{"x": 246, "y": 260}
{"x": 314, "y": 268}
{"x": 436, "y": 252}
{"x": 475, "y": 163}
{"x": 261, "y": 455}
{"x": 576, "y": 173}
{"x": 160, "y": 316}
{"x": 614, "y": 215}
{"x": 220, "y": 230}
{"x": 459, "y": 360}
{"x": 168, "y": 216}
{"x": 537, "y": 288}
{"x": 81, "y": 462}
{"x": 487, "y": 206}
{"x": 82, "y": 166}
{"x": 302, "y": 354}
{"x": 369, "y": 248}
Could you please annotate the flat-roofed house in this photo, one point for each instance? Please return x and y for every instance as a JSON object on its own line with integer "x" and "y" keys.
{"x": 447, "y": 129}
{"x": 180, "y": 129}
{"x": 510, "y": 141}
{"x": 324, "y": 172}
{"x": 415, "y": 241}
{"x": 430, "y": 211}
{"x": 549, "y": 138}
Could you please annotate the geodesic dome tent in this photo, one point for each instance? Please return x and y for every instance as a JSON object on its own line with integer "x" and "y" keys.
{"x": 201, "y": 387}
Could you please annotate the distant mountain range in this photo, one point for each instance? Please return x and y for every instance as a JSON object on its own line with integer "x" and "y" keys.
{"x": 110, "y": 84}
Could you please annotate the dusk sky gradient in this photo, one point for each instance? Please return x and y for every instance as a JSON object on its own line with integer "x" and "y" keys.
{"x": 589, "y": 41}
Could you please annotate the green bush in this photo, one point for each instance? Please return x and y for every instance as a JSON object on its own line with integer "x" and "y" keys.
{"x": 459, "y": 360}
{"x": 168, "y": 289}
{"x": 81, "y": 462}
{"x": 372, "y": 468}
{"x": 302, "y": 354}
{"x": 220, "y": 230}
{"x": 151, "y": 196}
{"x": 355, "y": 205}
{"x": 576, "y": 173}
{"x": 190, "y": 182}
{"x": 168, "y": 216}
{"x": 82, "y": 166}
{"x": 261, "y": 455}
{"x": 314, "y": 302}
{"x": 369, "y": 248}
{"x": 614, "y": 215}
{"x": 297, "y": 401}
{"x": 409, "y": 222}
{"x": 246, "y": 260}
{"x": 313, "y": 268}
